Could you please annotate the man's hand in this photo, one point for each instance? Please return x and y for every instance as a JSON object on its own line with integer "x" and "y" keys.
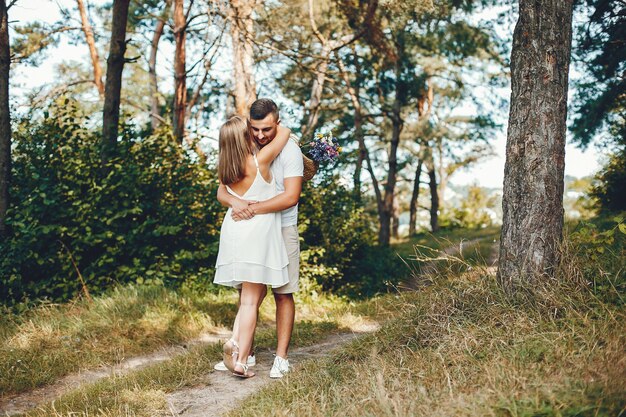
{"x": 242, "y": 210}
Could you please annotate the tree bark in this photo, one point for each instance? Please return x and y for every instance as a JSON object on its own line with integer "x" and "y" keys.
{"x": 434, "y": 198}
{"x": 5, "y": 117}
{"x": 155, "y": 119}
{"x": 423, "y": 112}
{"x": 180, "y": 74}
{"x": 353, "y": 92}
{"x": 241, "y": 29}
{"x": 535, "y": 152}
{"x": 329, "y": 45}
{"x": 414, "y": 198}
{"x": 384, "y": 233}
{"x": 113, "y": 87}
{"x": 395, "y": 219}
{"x": 356, "y": 179}
{"x": 315, "y": 101}
{"x": 91, "y": 42}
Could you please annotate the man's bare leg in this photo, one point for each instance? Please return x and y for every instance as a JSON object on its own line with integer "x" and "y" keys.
{"x": 285, "y": 316}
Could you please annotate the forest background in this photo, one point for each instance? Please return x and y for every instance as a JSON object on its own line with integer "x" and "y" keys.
{"x": 416, "y": 93}
{"x": 414, "y": 299}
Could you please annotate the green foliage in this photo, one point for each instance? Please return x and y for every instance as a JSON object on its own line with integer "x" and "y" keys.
{"x": 474, "y": 210}
{"x": 610, "y": 189}
{"x": 600, "y": 248}
{"x": 152, "y": 219}
{"x": 339, "y": 250}
{"x": 600, "y": 97}
{"x": 31, "y": 41}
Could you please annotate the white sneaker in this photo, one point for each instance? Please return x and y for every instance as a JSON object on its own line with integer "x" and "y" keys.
{"x": 221, "y": 367}
{"x": 279, "y": 368}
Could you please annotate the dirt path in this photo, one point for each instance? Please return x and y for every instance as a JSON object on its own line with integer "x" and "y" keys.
{"x": 223, "y": 391}
{"x": 20, "y": 403}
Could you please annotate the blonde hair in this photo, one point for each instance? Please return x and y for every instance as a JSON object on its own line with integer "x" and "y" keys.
{"x": 235, "y": 145}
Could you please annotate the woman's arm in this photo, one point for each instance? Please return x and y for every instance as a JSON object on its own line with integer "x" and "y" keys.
{"x": 269, "y": 152}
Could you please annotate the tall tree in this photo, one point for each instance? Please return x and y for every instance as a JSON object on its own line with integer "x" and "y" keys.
{"x": 239, "y": 15}
{"x": 600, "y": 99}
{"x": 155, "y": 119}
{"x": 5, "y": 117}
{"x": 180, "y": 74}
{"x": 93, "y": 51}
{"x": 535, "y": 152}
{"x": 330, "y": 42}
{"x": 113, "y": 87}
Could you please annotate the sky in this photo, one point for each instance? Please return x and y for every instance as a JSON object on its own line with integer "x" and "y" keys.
{"x": 487, "y": 173}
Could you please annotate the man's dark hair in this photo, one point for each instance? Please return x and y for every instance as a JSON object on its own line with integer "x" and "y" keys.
{"x": 262, "y": 107}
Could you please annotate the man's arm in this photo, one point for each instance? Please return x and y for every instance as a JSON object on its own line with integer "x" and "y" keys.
{"x": 239, "y": 207}
{"x": 280, "y": 202}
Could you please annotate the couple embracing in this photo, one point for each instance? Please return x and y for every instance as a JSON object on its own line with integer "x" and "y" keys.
{"x": 260, "y": 169}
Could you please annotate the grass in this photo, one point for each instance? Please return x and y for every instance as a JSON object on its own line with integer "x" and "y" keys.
{"x": 461, "y": 347}
{"x": 142, "y": 392}
{"x": 456, "y": 347}
{"x": 52, "y": 340}
{"x": 445, "y": 238}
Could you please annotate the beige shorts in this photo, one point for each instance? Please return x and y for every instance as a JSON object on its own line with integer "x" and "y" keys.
{"x": 292, "y": 243}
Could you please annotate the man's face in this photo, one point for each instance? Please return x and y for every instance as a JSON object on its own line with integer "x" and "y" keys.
{"x": 264, "y": 131}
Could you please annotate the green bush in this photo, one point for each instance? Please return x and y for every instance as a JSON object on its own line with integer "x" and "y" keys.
{"x": 339, "y": 243}
{"x": 610, "y": 185}
{"x": 599, "y": 248}
{"x": 149, "y": 216}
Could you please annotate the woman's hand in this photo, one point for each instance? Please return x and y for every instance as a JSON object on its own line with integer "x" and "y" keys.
{"x": 241, "y": 209}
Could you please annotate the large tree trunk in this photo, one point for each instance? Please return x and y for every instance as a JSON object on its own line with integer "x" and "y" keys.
{"x": 113, "y": 87}
{"x": 155, "y": 119}
{"x": 180, "y": 75}
{"x": 5, "y": 117}
{"x": 91, "y": 42}
{"x": 434, "y": 198}
{"x": 241, "y": 29}
{"x": 535, "y": 152}
{"x": 414, "y": 198}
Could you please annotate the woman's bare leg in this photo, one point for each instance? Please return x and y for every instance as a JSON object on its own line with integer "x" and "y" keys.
{"x": 236, "y": 323}
{"x": 248, "y": 312}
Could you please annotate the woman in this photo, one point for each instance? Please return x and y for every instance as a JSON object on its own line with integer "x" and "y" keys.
{"x": 252, "y": 253}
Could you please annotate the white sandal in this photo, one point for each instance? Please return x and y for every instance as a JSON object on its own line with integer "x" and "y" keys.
{"x": 245, "y": 373}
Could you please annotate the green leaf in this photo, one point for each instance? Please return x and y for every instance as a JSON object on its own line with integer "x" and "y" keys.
{"x": 622, "y": 228}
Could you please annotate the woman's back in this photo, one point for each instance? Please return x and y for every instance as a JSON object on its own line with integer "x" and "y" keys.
{"x": 254, "y": 171}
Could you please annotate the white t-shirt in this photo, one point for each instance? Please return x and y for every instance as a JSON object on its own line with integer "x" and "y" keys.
{"x": 288, "y": 164}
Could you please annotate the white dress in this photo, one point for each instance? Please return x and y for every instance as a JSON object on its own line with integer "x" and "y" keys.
{"x": 252, "y": 250}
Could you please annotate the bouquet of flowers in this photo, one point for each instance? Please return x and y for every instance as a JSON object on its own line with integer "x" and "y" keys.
{"x": 322, "y": 148}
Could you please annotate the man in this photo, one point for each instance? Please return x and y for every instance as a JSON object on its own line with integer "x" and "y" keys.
{"x": 287, "y": 169}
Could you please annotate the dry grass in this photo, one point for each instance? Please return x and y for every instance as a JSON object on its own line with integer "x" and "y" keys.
{"x": 52, "y": 340}
{"x": 142, "y": 392}
{"x": 461, "y": 347}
